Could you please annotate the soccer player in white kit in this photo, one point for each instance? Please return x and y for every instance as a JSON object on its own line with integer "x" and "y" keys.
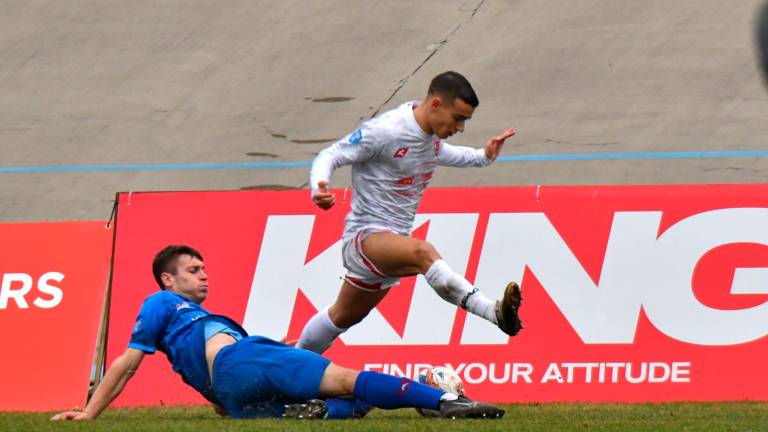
{"x": 393, "y": 157}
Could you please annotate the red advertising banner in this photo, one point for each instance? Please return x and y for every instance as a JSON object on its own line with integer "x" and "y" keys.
{"x": 53, "y": 278}
{"x": 632, "y": 293}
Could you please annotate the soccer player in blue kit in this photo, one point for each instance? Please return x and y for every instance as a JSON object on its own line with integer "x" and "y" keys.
{"x": 252, "y": 376}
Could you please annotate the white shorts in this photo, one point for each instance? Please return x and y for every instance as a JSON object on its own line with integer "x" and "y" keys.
{"x": 361, "y": 272}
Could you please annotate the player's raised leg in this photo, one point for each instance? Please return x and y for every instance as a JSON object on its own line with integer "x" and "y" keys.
{"x": 351, "y": 306}
{"x": 375, "y": 260}
{"x": 398, "y": 255}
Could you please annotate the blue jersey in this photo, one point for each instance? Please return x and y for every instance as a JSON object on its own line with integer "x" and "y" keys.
{"x": 175, "y": 325}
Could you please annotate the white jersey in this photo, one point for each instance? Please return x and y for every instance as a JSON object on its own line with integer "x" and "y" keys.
{"x": 392, "y": 162}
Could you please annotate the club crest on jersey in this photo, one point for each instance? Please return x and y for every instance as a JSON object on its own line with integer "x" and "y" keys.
{"x": 401, "y": 152}
{"x": 356, "y": 137}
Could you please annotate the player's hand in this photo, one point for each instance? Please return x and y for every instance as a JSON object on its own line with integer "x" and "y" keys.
{"x": 289, "y": 342}
{"x": 71, "y": 415}
{"x": 494, "y": 145}
{"x": 323, "y": 198}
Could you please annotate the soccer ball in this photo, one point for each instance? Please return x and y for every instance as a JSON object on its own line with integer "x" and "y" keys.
{"x": 443, "y": 378}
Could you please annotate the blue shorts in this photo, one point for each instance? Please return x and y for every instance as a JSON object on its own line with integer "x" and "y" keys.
{"x": 256, "y": 376}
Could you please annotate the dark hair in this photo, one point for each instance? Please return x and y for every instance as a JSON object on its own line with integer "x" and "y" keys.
{"x": 165, "y": 260}
{"x": 451, "y": 85}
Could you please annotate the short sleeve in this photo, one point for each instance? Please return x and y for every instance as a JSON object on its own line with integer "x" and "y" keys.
{"x": 150, "y": 324}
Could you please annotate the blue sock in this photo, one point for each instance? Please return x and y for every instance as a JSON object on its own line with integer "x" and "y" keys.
{"x": 390, "y": 392}
{"x": 347, "y": 408}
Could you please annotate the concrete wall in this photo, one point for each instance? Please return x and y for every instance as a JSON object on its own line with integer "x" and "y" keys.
{"x": 183, "y": 82}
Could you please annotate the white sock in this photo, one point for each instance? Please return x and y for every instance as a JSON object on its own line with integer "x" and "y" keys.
{"x": 319, "y": 333}
{"x": 449, "y": 397}
{"x": 453, "y": 288}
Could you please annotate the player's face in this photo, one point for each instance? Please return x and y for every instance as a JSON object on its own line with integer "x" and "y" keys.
{"x": 190, "y": 279}
{"x": 449, "y": 117}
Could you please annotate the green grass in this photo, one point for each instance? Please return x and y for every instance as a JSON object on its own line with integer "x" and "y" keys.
{"x": 709, "y": 417}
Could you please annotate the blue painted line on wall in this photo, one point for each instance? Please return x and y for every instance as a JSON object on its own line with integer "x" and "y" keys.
{"x": 307, "y": 164}
{"x": 160, "y": 167}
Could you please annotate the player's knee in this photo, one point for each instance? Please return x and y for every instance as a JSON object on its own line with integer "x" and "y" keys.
{"x": 424, "y": 254}
{"x": 338, "y": 381}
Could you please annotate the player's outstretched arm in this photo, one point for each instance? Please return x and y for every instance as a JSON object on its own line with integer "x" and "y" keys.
{"x": 494, "y": 145}
{"x": 461, "y": 156}
{"x": 117, "y": 376}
